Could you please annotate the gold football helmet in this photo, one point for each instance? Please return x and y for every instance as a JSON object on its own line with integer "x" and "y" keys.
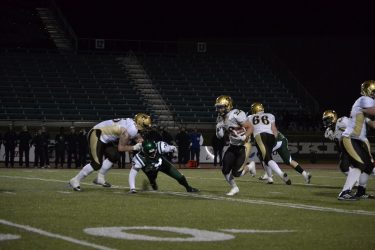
{"x": 368, "y": 88}
{"x": 224, "y": 104}
{"x": 329, "y": 117}
{"x": 143, "y": 121}
{"x": 256, "y": 107}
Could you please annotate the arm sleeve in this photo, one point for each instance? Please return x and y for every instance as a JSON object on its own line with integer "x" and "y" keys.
{"x": 201, "y": 140}
{"x": 164, "y": 147}
{"x": 132, "y": 174}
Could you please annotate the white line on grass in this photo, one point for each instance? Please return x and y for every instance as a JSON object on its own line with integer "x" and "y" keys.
{"x": 212, "y": 197}
{"x": 253, "y": 231}
{"x": 52, "y": 235}
{"x": 260, "y": 202}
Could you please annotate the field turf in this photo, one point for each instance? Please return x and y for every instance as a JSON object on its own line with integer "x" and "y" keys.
{"x": 38, "y": 210}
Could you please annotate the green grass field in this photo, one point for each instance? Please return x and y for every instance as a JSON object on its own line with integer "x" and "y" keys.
{"x": 39, "y": 211}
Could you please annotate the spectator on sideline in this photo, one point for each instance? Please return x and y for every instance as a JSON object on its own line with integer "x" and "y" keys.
{"x": 60, "y": 146}
{"x": 72, "y": 145}
{"x": 83, "y": 148}
{"x": 10, "y": 142}
{"x": 196, "y": 139}
{"x": 45, "y": 139}
{"x": 218, "y": 147}
{"x": 24, "y": 139}
{"x": 38, "y": 153}
{"x": 183, "y": 143}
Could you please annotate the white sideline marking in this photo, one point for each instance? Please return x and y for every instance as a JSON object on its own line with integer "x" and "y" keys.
{"x": 9, "y": 237}
{"x": 52, "y": 235}
{"x": 212, "y": 197}
{"x": 255, "y": 231}
{"x": 260, "y": 202}
{"x": 8, "y": 192}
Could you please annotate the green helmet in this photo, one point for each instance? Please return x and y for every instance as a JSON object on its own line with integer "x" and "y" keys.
{"x": 149, "y": 148}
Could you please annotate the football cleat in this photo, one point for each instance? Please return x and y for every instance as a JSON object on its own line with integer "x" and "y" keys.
{"x": 286, "y": 179}
{"x": 233, "y": 191}
{"x": 192, "y": 190}
{"x": 102, "y": 183}
{"x": 346, "y": 196}
{"x": 74, "y": 183}
{"x": 308, "y": 178}
{"x": 269, "y": 180}
{"x": 132, "y": 191}
{"x": 264, "y": 177}
{"x": 252, "y": 169}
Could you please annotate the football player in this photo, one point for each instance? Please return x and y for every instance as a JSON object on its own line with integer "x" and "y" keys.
{"x": 334, "y": 129}
{"x": 151, "y": 160}
{"x": 282, "y": 149}
{"x": 234, "y": 121}
{"x": 102, "y": 140}
{"x": 354, "y": 144}
{"x": 265, "y": 133}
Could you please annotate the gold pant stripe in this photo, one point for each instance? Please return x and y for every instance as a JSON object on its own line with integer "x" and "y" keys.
{"x": 261, "y": 146}
{"x": 93, "y": 146}
{"x": 350, "y": 149}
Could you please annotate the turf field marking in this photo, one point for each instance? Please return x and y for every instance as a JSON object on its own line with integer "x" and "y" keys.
{"x": 9, "y": 237}
{"x": 212, "y": 197}
{"x": 52, "y": 235}
{"x": 256, "y": 231}
{"x": 8, "y": 192}
{"x": 197, "y": 235}
{"x": 271, "y": 203}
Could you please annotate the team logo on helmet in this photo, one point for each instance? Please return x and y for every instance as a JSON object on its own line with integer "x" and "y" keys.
{"x": 368, "y": 88}
{"x": 329, "y": 118}
{"x": 256, "y": 107}
{"x": 224, "y": 104}
{"x": 143, "y": 121}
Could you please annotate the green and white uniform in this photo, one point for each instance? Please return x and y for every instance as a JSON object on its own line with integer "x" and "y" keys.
{"x": 152, "y": 165}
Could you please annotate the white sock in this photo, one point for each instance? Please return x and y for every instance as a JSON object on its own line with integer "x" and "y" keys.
{"x": 107, "y": 165}
{"x": 353, "y": 176}
{"x": 363, "y": 178}
{"x": 230, "y": 179}
{"x": 273, "y": 165}
{"x": 268, "y": 172}
{"x": 85, "y": 171}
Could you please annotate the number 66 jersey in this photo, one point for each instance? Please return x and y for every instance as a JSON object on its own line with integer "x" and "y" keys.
{"x": 262, "y": 122}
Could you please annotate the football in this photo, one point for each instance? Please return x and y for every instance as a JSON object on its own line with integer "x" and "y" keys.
{"x": 235, "y": 131}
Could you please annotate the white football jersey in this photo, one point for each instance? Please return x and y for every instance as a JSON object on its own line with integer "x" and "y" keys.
{"x": 262, "y": 122}
{"x": 356, "y": 127}
{"x": 112, "y": 129}
{"x": 233, "y": 119}
{"x": 340, "y": 127}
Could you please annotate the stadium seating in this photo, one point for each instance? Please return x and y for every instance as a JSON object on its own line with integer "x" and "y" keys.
{"x": 46, "y": 85}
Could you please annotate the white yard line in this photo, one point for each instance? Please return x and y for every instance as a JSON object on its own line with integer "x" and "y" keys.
{"x": 52, "y": 235}
{"x": 223, "y": 198}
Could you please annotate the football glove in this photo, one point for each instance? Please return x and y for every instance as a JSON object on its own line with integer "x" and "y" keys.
{"x": 137, "y": 147}
{"x": 329, "y": 134}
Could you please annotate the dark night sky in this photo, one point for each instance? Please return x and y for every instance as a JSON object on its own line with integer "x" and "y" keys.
{"x": 328, "y": 45}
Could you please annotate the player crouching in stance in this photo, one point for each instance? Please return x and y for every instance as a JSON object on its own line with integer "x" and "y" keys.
{"x": 151, "y": 160}
{"x": 235, "y": 122}
{"x": 265, "y": 133}
{"x": 102, "y": 138}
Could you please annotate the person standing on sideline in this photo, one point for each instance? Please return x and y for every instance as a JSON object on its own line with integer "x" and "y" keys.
{"x": 103, "y": 151}
{"x": 24, "y": 139}
{"x": 38, "y": 152}
{"x": 72, "y": 145}
{"x": 60, "y": 146}
{"x": 45, "y": 150}
{"x": 10, "y": 142}
{"x": 196, "y": 139}
{"x": 183, "y": 143}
